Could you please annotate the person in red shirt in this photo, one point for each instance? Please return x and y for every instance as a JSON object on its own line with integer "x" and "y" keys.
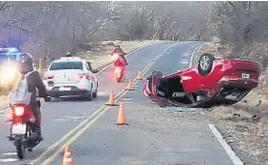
{"x": 121, "y": 53}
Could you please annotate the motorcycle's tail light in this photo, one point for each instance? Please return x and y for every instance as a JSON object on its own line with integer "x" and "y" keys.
{"x": 19, "y": 111}
{"x": 118, "y": 69}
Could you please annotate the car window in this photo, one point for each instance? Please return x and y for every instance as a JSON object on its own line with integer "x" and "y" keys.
{"x": 66, "y": 65}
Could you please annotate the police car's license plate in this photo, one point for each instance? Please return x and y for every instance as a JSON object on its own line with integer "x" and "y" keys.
{"x": 245, "y": 75}
{"x": 18, "y": 129}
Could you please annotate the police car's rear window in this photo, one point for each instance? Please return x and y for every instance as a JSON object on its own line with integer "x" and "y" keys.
{"x": 66, "y": 65}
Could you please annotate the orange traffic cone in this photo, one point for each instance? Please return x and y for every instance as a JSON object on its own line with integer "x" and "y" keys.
{"x": 111, "y": 101}
{"x": 129, "y": 86}
{"x": 67, "y": 159}
{"x": 121, "y": 118}
{"x": 139, "y": 76}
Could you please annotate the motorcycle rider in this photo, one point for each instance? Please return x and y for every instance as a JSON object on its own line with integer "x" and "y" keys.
{"x": 34, "y": 81}
{"x": 69, "y": 54}
{"x": 121, "y": 53}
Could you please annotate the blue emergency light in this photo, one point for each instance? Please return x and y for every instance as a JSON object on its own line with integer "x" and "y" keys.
{"x": 7, "y": 54}
{"x": 9, "y": 51}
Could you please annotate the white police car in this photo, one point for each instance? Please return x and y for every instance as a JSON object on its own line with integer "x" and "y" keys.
{"x": 71, "y": 76}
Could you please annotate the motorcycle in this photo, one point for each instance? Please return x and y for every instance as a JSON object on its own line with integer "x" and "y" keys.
{"x": 119, "y": 70}
{"x": 22, "y": 129}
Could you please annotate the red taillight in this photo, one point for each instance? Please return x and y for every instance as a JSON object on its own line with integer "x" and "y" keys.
{"x": 233, "y": 76}
{"x": 18, "y": 114}
{"x": 118, "y": 69}
{"x": 81, "y": 76}
{"x": 48, "y": 77}
{"x": 19, "y": 111}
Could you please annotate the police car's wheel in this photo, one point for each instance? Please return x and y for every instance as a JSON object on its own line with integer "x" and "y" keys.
{"x": 95, "y": 94}
{"x": 90, "y": 96}
{"x": 48, "y": 99}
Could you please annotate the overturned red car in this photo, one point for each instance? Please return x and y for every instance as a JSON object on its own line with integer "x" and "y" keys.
{"x": 212, "y": 82}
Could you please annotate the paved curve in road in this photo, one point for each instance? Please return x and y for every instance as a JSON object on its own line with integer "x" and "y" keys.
{"x": 99, "y": 141}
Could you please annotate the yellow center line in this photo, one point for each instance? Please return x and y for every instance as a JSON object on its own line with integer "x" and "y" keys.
{"x": 93, "y": 116}
{"x": 102, "y": 111}
{"x": 77, "y": 135}
{"x": 82, "y": 130}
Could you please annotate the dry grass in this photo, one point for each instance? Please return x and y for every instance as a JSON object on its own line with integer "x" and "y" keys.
{"x": 99, "y": 57}
{"x": 246, "y": 133}
{"x": 248, "y": 136}
{"x": 3, "y": 102}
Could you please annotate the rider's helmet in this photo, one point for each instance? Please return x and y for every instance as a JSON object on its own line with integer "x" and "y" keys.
{"x": 68, "y": 54}
{"x": 25, "y": 61}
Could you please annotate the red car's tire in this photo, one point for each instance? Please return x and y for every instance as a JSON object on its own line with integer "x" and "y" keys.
{"x": 205, "y": 64}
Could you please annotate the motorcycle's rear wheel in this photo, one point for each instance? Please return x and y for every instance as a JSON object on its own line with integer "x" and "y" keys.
{"x": 118, "y": 78}
{"x": 20, "y": 149}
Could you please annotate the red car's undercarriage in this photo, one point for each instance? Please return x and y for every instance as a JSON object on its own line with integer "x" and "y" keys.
{"x": 190, "y": 88}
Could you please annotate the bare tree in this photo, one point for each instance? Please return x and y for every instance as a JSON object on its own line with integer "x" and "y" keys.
{"x": 49, "y": 29}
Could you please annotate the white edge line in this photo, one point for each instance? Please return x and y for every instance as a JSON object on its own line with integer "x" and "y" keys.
{"x": 104, "y": 68}
{"x": 235, "y": 159}
{"x": 4, "y": 110}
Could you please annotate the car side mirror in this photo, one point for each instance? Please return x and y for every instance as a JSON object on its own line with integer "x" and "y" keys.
{"x": 95, "y": 70}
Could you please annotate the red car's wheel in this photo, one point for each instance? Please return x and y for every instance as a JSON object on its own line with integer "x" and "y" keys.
{"x": 205, "y": 64}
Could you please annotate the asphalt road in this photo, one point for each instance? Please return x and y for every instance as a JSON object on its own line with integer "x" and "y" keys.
{"x": 151, "y": 136}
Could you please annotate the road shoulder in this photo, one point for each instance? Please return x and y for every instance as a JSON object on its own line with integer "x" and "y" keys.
{"x": 246, "y": 135}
